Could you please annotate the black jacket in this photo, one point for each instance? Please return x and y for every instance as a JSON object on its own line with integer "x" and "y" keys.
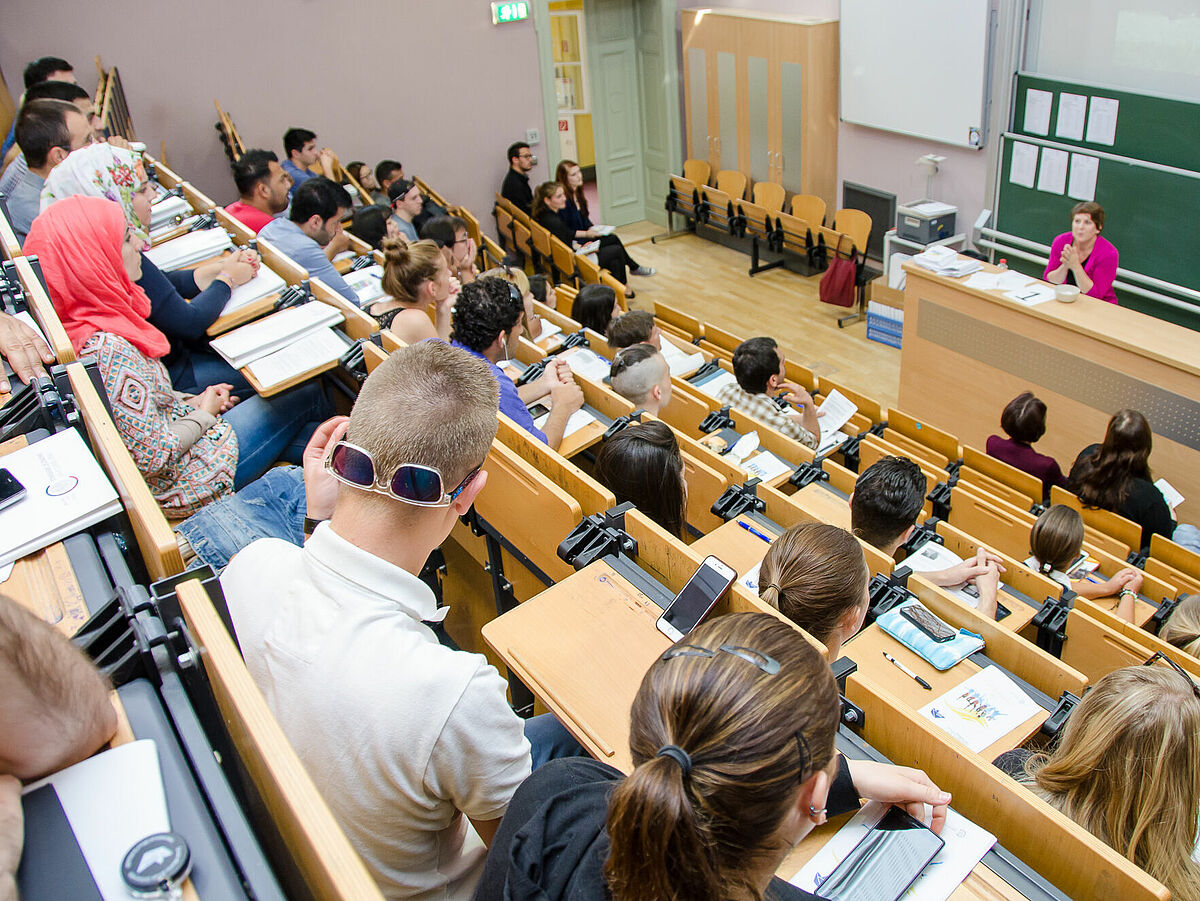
{"x": 551, "y": 845}
{"x": 516, "y": 190}
{"x": 1145, "y": 504}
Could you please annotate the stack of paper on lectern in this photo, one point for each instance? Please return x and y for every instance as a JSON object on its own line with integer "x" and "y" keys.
{"x": 65, "y": 491}
{"x": 266, "y": 282}
{"x": 271, "y": 333}
{"x": 185, "y": 250}
{"x": 679, "y": 361}
{"x": 170, "y": 207}
{"x": 944, "y": 261}
{"x": 367, "y": 284}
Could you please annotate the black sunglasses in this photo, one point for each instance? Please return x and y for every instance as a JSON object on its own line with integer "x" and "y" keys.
{"x": 1159, "y": 655}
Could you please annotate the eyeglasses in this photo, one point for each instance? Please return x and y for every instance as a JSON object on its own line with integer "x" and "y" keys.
{"x": 1159, "y": 655}
{"x": 412, "y": 483}
{"x": 764, "y": 662}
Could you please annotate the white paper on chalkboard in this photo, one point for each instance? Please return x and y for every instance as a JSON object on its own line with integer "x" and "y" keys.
{"x": 1037, "y": 111}
{"x": 1102, "y": 121}
{"x": 1072, "y": 112}
{"x": 1052, "y": 176}
{"x": 1023, "y": 168}
{"x": 1082, "y": 183}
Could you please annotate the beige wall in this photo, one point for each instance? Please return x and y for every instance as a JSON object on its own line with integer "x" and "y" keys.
{"x": 431, "y": 83}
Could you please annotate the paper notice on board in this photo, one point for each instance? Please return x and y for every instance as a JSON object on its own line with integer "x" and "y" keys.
{"x": 1052, "y": 177}
{"x": 1072, "y": 112}
{"x": 1102, "y": 121}
{"x": 1082, "y": 183}
{"x": 1037, "y": 111}
{"x": 1023, "y": 168}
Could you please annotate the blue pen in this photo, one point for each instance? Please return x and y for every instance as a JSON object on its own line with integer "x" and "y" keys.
{"x": 767, "y": 538}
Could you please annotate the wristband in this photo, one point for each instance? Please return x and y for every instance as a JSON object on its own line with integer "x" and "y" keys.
{"x": 310, "y": 525}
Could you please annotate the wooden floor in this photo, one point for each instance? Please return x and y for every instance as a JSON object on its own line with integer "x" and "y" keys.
{"x": 712, "y": 282}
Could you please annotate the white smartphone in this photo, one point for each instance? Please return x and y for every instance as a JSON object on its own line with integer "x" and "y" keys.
{"x": 697, "y": 597}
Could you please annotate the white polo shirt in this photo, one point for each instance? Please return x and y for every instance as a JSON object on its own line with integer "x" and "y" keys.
{"x": 403, "y": 737}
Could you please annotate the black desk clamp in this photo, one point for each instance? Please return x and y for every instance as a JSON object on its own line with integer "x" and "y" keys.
{"x": 707, "y": 369}
{"x": 1137, "y": 558}
{"x": 1165, "y": 608}
{"x": 717, "y": 420}
{"x": 851, "y": 714}
{"x": 939, "y": 497}
{"x": 1056, "y": 720}
{"x": 921, "y": 536}
{"x": 575, "y": 339}
{"x": 621, "y": 423}
{"x": 294, "y": 296}
{"x": 532, "y": 372}
{"x": 888, "y": 592}
{"x": 362, "y": 261}
{"x": 808, "y": 473}
{"x": 354, "y": 361}
{"x": 203, "y": 221}
{"x": 599, "y": 535}
{"x": 1051, "y": 625}
{"x": 739, "y": 499}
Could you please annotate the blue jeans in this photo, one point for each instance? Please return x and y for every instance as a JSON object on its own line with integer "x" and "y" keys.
{"x": 549, "y": 740}
{"x": 199, "y": 369}
{"x": 270, "y": 507}
{"x": 270, "y": 429}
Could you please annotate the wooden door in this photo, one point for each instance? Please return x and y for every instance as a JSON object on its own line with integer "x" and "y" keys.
{"x": 653, "y": 68}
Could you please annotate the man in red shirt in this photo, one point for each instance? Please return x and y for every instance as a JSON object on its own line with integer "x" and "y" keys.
{"x": 263, "y": 186}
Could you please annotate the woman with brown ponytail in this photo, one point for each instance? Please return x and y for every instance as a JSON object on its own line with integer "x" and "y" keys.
{"x": 816, "y": 575}
{"x": 732, "y": 735}
{"x": 415, "y": 277}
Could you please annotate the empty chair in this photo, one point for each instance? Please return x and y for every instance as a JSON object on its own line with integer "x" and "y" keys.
{"x": 698, "y": 171}
{"x": 769, "y": 195}
{"x": 856, "y": 224}
{"x": 808, "y": 207}
{"x": 731, "y": 182}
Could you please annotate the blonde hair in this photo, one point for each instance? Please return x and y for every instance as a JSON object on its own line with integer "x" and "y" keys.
{"x": 1056, "y": 538}
{"x": 428, "y": 403}
{"x": 814, "y": 573}
{"x": 1127, "y": 770}
{"x": 1182, "y": 628}
{"x": 512, "y": 276}
{"x": 752, "y": 738}
{"x": 408, "y": 266}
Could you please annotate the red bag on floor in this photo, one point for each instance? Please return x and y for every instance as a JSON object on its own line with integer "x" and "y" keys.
{"x": 837, "y": 284}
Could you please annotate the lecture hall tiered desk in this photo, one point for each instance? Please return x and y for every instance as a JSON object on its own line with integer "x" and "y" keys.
{"x": 966, "y": 353}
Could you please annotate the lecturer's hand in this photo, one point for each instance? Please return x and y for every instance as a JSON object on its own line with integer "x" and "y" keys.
{"x": 1070, "y": 256}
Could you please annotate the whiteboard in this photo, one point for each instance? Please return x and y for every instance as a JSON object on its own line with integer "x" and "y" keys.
{"x": 918, "y": 67}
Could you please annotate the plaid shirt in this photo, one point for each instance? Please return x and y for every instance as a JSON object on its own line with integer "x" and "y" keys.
{"x": 765, "y": 410}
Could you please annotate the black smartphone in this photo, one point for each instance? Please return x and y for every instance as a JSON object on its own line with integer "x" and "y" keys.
{"x": 538, "y": 410}
{"x": 696, "y": 598}
{"x": 928, "y": 623}
{"x": 11, "y": 490}
{"x": 885, "y": 863}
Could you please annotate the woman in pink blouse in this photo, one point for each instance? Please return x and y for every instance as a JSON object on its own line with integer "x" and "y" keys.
{"x": 1082, "y": 257}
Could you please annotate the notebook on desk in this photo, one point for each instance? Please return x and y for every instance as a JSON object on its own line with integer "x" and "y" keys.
{"x": 188, "y": 249}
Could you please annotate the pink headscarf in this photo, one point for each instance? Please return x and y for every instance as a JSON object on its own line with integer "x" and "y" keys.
{"x": 78, "y": 241}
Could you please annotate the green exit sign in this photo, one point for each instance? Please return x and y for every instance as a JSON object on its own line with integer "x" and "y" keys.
{"x": 515, "y": 11}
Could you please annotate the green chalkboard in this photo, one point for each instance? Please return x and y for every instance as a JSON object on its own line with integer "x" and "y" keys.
{"x": 1150, "y": 212}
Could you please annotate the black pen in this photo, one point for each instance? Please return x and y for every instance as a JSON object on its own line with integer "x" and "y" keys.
{"x": 767, "y": 538}
{"x": 904, "y": 669}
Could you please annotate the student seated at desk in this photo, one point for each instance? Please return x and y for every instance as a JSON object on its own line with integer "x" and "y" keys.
{"x": 595, "y": 307}
{"x": 520, "y": 281}
{"x": 642, "y": 463}
{"x": 406, "y": 738}
{"x": 263, "y": 189}
{"x": 487, "y": 324}
{"x": 300, "y": 146}
{"x": 1182, "y": 628}
{"x": 183, "y": 303}
{"x": 1127, "y": 769}
{"x": 758, "y": 367}
{"x": 312, "y": 234}
{"x": 415, "y": 278}
{"x": 386, "y": 172}
{"x": 816, "y": 575}
{"x": 634, "y": 327}
{"x": 1024, "y": 421}
{"x": 887, "y": 499}
{"x": 407, "y": 202}
{"x": 640, "y": 374}
{"x": 54, "y": 711}
{"x": 370, "y": 225}
{"x": 1056, "y": 543}
{"x": 458, "y": 247}
{"x": 190, "y": 449}
{"x": 47, "y": 132}
{"x": 732, "y": 735}
{"x": 543, "y": 291}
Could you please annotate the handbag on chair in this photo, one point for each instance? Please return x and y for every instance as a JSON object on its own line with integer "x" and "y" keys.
{"x": 838, "y": 282}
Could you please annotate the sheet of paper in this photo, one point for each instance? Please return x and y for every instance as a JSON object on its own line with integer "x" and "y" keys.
{"x": 1052, "y": 177}
{"x": 1011, "y": 280}
{"x": 766, "y": 466}
{"x": 837, "y": 410}
{"x": 831, "y": 442}
{"x": 189, "y": 248}
{"x": 1037, "y": 111}
{"x": 931, "y": 557}
{"x": 1031, "y": 295}
{"x": 1023, "y": 168}
{"x": 576, "y": 421}
{"x": 1102, "y": 121}
{"x": 269, "y": 334}
{"x": 743, "y": 447}
{"x": 266, "y": 282}
{"x": 712, "y": 386}
{"x": 966, "y": 844}
{"x": 750, "y": 579}
{"x": 1169, "y": 493}
{"x": 112, "y": 800}
{"x": 549, "y": 330}
{"x": 984, "y": 281}
{"x": 1072, "y": 111}
{"x": 311, "y": 351}
{"x": 1082, "y": 183}
{"x": 982, "y": 709}
{"x": 680, "y": 362}
{"x": 603, "y": 230}
{"x": 367, "y": 284}
{"x": 587, "y": 363}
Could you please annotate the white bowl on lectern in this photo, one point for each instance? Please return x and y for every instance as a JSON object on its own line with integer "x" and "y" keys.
{"x": 1066, "y": 293}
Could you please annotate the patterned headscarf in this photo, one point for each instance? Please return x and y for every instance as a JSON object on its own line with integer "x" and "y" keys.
{"x": 99, "y": 170}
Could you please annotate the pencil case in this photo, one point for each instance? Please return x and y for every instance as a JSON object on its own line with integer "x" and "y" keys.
{"x": 941, "y": 655}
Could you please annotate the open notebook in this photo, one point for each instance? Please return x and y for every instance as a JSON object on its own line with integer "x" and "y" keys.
{"x": 285, "y": 344}
{"x": 266, "y": 282}
{"x": 185, "y": 250}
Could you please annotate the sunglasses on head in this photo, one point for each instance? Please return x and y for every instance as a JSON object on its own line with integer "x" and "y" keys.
{"x": 412, "y": 483}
